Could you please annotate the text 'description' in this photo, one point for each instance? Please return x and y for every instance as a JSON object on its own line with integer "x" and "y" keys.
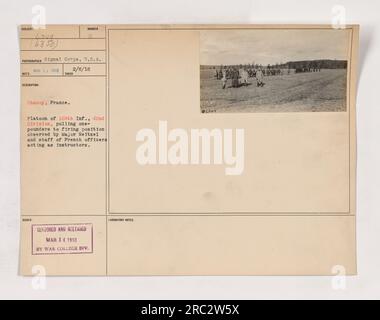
{"x": 49, "y": 239}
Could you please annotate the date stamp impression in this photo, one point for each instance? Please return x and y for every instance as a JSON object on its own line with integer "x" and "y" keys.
{"x": 52, "y": 239}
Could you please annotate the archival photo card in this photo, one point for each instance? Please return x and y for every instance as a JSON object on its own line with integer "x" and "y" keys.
{"x": 125, "y": 177}
{"x": 274, "y": 70}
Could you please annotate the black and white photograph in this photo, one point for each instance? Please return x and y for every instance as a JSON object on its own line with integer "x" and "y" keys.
{"x": 274, "y": 70}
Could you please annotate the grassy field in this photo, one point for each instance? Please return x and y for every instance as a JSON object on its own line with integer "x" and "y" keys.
{"x": 303, "y": 92}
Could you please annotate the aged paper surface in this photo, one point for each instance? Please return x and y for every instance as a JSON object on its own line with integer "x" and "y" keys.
{"x": 188, "y": 149}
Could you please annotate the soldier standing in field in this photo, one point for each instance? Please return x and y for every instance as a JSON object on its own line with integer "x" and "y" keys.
{"x": 224, "y": 78}
{"x": 244, "y": 76}
{"x": 259, "y": 78}
{"x": 235, "y": 78}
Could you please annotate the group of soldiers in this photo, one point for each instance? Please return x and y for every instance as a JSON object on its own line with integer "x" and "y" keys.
{"x": 308, "y": 69}
{"x": 239, "y": 76}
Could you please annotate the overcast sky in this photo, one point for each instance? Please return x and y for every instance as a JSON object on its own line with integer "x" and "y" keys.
{"x": 272, "y": 46}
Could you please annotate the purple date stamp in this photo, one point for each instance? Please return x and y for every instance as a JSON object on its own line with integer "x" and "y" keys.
{"x": 51, "y": 239}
